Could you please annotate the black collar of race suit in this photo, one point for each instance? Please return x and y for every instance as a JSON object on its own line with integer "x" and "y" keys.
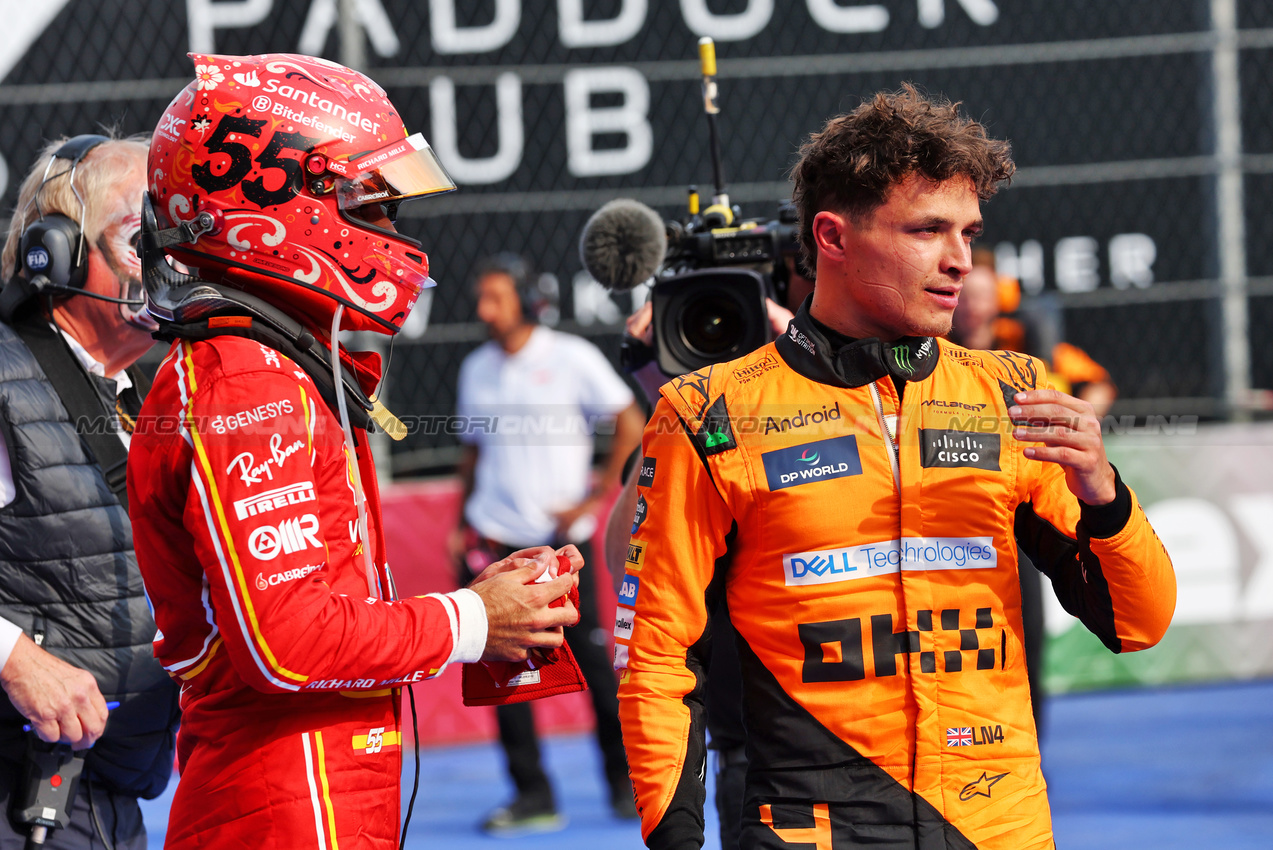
{"x": 823, "y": 355}
{"x": 212, "y": 310}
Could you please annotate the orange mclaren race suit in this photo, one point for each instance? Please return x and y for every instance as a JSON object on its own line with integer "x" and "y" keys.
{"x": 288, "y": 652}
{"x": 864, "y": 544}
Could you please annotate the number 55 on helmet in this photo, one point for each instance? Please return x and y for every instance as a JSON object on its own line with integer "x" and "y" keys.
{"x": 300, "y": 164}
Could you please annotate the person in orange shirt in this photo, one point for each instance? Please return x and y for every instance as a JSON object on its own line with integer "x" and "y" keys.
{"x": 870, "y": 484}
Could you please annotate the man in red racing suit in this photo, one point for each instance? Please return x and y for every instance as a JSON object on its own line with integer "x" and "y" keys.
{"x": 264, "y": 562}
{"x": 244, "y": 501}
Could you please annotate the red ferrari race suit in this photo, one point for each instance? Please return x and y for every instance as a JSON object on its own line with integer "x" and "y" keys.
{"x": 865, "y": 542}
{"x": 288, "y": 652}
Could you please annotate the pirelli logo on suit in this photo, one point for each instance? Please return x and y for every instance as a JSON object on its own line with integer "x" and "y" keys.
{"x": 280, "y": 497}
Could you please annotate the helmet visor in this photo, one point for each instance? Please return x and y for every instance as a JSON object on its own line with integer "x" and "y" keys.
{"x": 405, "y": 169}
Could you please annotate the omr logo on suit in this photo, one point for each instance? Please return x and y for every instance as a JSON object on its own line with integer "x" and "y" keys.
{"x": 810, "y": 462}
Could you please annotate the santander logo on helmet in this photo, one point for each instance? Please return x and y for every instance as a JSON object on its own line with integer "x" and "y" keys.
{"x": 302, "y": 164}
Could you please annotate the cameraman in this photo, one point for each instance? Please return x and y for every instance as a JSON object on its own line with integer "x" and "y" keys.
{"x": 75, "y": 630}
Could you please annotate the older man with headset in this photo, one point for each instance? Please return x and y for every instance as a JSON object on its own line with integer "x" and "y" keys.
{"x": 75, "y": 629}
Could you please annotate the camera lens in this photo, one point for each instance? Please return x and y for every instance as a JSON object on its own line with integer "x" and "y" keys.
{"x": 708, "y": 316}
{"x": 712, "y": 324}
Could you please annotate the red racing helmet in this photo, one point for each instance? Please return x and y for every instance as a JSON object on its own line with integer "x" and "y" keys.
{"x": 301, "y": 163}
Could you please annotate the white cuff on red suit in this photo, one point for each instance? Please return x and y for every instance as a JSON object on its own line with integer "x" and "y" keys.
{"x": 9, "y": 634}
{"x": 471, "y": 642}
{"x": 467, "y": 614}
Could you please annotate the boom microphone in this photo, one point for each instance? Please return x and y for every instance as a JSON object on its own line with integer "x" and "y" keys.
{"x": 623, "y": 244}
{"x": 18, "y": 291}
{"x": 41, "y": 285}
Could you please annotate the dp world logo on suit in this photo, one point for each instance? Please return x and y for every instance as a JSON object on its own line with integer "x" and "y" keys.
{"x": 810, "y": 462}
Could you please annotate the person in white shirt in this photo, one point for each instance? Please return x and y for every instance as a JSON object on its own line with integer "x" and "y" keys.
{"x": 72, "y": 322}
{"x": 531, "y": 400}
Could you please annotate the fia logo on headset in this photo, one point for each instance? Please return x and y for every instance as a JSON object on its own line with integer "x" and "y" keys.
{"x": 37, "y": 259}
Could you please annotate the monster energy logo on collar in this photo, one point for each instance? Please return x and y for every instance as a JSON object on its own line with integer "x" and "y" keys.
{"x": 902, "y": 357}
{"x": 908, "y": 354}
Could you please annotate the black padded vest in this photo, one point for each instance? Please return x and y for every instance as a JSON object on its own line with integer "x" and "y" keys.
{"x": 69, "y": 579}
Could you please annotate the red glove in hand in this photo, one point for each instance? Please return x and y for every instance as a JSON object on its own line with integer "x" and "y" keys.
{"x": 547, "y": 673}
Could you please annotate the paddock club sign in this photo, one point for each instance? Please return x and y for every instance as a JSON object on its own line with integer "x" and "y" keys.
{"x": 496, "y": 29}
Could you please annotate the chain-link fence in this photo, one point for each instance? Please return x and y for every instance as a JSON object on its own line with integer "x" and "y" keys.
{"x": 1143, "y": 130}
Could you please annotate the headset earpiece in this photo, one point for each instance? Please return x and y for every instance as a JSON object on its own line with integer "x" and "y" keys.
{"x": 77, "y": 147}
{"x": 53, "y": 244}
{"x": 49, "y": 247}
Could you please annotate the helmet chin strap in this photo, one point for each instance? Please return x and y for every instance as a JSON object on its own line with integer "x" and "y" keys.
{"x": 360, "y": 498}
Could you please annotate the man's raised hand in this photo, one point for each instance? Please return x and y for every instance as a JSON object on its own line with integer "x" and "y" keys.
{"x": 1070, "y": 433}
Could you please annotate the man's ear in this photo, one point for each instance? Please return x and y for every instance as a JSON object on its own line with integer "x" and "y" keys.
{"x": 828, "y": 234}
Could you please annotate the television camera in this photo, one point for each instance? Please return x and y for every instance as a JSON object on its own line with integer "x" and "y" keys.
{"x": 711, "y": 271}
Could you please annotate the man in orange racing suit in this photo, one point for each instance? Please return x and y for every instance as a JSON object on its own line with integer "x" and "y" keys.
{"x": 854, "y": 489}
{"x": 256, "y": 515}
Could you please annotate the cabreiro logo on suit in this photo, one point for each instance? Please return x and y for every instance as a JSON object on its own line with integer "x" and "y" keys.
{"x": 811, "y": 462}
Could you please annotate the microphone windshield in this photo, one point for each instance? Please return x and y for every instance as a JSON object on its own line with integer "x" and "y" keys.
{"x": 623, "y": 244}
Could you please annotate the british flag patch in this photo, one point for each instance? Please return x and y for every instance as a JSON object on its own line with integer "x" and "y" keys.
{"x": 959, "y": 736}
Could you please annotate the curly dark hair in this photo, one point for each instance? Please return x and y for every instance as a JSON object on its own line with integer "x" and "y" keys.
{"x": 855, "y": 160}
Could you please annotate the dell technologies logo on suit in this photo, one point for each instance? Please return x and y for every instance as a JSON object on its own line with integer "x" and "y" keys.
{"x": 810, "y": 462}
